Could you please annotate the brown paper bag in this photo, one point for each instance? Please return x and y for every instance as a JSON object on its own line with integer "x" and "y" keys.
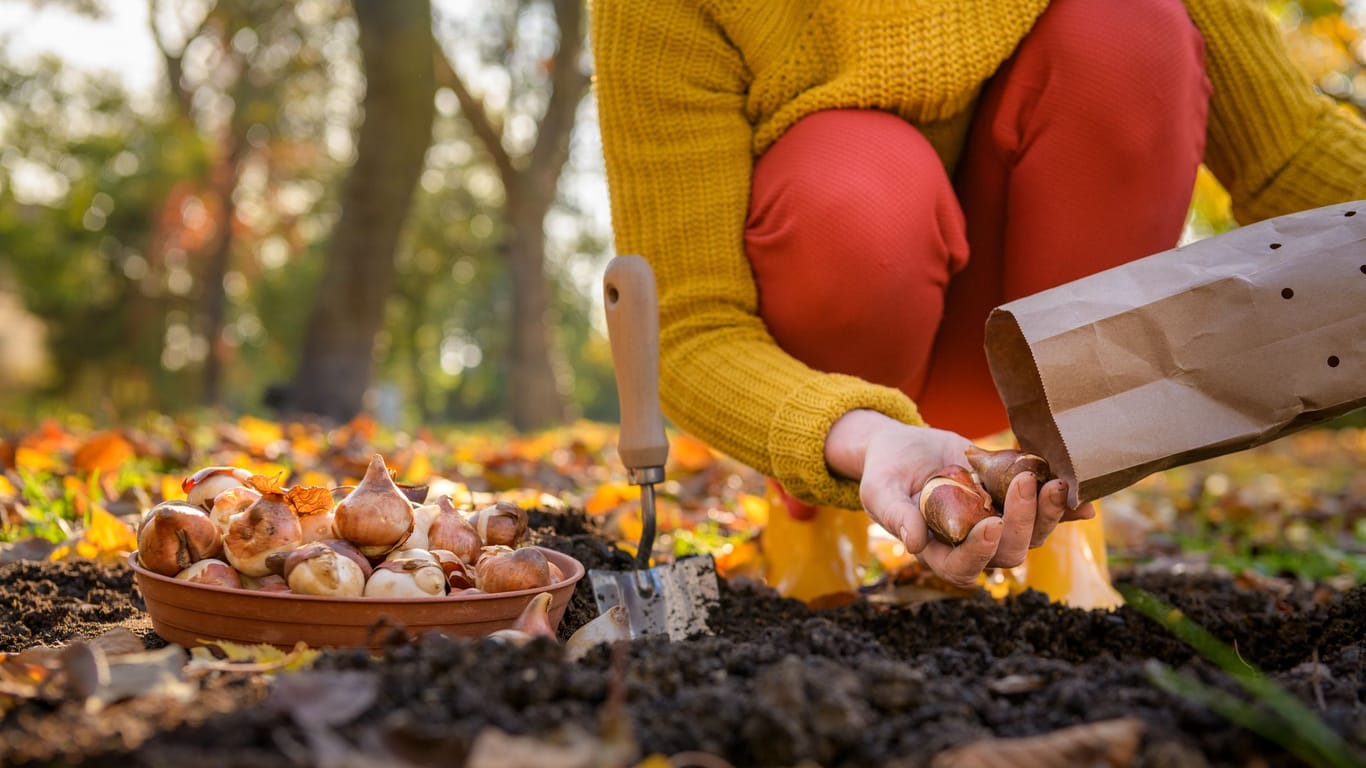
{"x": 1204, "y": 350}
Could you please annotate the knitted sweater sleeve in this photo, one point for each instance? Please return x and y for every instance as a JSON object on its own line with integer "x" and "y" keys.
{"x": 671, "y": 94}
{"x": 1273, "y": 142}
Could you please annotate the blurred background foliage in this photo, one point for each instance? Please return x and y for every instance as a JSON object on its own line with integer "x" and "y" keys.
{"x": 162, "y": 251}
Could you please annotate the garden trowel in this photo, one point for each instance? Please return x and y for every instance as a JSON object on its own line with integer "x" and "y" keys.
{"x": 672, "y": 599}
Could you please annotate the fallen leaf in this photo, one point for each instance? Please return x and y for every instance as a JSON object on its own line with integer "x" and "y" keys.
{"x": 609, "y": 496}
{"x": 325, "y": 699}
{"x": 252, "y": 659}
{"x": 107, "y": 539}
{"x": 689, "y": 454}
{"x": 104, "y": 452}
{"x": 100, "y": 679}
{"x": 1112, "y": 743}
{"x": 309, "y": 499}
{"x": 33, "y": 460}
{"x": 266, "y": 484}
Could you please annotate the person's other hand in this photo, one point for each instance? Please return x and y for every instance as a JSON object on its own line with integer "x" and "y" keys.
{"x": 892, "y": 462}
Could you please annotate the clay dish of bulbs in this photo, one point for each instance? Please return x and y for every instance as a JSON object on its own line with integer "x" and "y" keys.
{"x": 188, "y": 613}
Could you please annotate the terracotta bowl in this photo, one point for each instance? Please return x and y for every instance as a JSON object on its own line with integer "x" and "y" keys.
{"x": 186, "y": 613}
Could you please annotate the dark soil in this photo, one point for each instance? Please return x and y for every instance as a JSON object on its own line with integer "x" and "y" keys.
{"x": 779, "y": 684}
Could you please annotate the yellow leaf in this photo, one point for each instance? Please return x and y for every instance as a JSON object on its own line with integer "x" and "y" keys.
{"x": 260, "y": 433}
{"x": 753, "y": 509}
{"x": 654, "y": 761}
{"x": 419, "y": 470}
{"x": 106, "y": 538}
{"x": 256, "y": 658}
{"x": 34, "y": 460}
{"x": 170, "y": 488}
{"x": 7, "y": 488}
{"x": 314, "y": 477}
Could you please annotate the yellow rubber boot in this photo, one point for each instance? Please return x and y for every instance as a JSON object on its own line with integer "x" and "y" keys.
{"x": 1070, "y": 567}
{"x": 812, "y": 551}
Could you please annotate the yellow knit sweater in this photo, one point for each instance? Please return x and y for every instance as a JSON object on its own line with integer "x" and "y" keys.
{"x": 690, "y": 92}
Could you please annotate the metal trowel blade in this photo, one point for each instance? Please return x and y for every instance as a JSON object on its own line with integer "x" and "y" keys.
{"x": 671, "y": 600}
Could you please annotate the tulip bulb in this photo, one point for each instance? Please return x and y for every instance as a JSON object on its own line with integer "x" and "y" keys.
{"x": 951, "y": 507}
{"x": 535, "y": 617}
{"x": 203, "y": 486}
{"x": 451, "y": 531}
{"x": 375, "y": 515}
{"x": 609, "y": 627}
{"x": 211, "y": 572}
{"x": 349, "y": 550}
{"x": 317, "y": 569}
{"x": 267, "y": 527}
{"x": 422, "y": 523}
{"x": 229, "y": 503}
{"x": 410, "y": 554}
{"x": 406, "y": 578}
{"x": 459, "y": 574}
{"x": 501, "y": 523}
{"x": 174, "y": 535}
{"x": 317, "y": 527}
{"x": 996, "y": 469}
{"x": 520, "y": 569}
{"x": 273, "y": 582}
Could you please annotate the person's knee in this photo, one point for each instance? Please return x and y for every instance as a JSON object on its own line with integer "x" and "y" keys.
{"x": 1129, "y": 55}
{"x": 859, "y": 192}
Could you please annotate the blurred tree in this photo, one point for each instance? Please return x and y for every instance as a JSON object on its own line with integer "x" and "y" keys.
{"x": 526, "y": 134}
{"x": 229, "y": 73}
{"x": 348, "y": 307}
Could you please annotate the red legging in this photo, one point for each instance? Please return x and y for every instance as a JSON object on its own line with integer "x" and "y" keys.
{"x": 1081, "y": 157}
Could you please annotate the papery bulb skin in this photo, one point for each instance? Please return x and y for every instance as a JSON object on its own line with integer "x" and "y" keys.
{"x": 406, "y": 578}
{"x": 502, "y": 523}
{"x": 201, "y": 487}
{"x": 267, "y": 527}
{"x": 211, "y": 572}
{"x": 449, "y": 530}
{"x": 996, "y": 470}
{"x": 459, "y": 574}
{"x": 351, "y": 551}
{"x": 520, "y": 569}
{"x": 231, "y": 502}
{"x": 174, "y": 535}
{"x": 317, "y": 569}
{"x": 375, "y": 515}
{"x": 951, "y": 508}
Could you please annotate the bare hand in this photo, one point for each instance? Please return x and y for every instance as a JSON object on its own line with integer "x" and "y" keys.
{"x": 893, "y": 461}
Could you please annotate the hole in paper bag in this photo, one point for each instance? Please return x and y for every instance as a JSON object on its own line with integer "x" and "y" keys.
{"x": 1333, "y": 361}
{"x": 1287, "y": 293}
{"x": 1274, "y": 246}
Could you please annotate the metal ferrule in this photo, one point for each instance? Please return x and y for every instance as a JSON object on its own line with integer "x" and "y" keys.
{"x": 645, "y": 475}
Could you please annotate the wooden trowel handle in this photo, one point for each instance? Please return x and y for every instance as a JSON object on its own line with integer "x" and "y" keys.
{"x": 633, "y": 328}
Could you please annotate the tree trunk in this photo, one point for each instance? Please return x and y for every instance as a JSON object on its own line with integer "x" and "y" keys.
{"x": 348, "y": 311}
{"x": 534, "y": 399}
{"x": 213, "y": 295}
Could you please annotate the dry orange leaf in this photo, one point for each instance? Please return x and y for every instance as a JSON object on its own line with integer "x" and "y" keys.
{"x": 49, "y": 438}
{"x": 309, "y": 500}
{"x": 609, "y": 496}
{"x": 690, "y": 454}
{"x": 104, "y": 452}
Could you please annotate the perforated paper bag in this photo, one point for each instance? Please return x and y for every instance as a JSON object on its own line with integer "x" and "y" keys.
{"x": 1204, "y": 350}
